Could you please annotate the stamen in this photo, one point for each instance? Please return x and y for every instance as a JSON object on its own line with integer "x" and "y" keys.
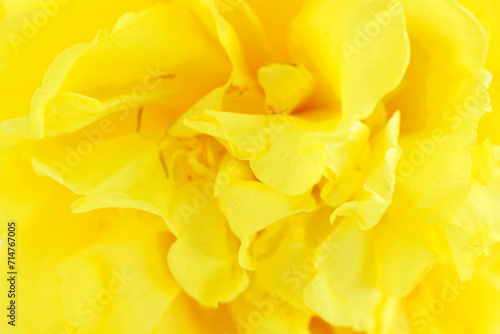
{"x": 163, "y": 163}
{"x": 139, "y": 120}
{"x": 166, "y": 76}
{"x": 290, "y": 64}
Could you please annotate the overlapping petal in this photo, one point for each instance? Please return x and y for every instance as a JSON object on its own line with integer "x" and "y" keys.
{"x": 204, "y": 259}
{"x": 317, "y": 166}
{"x": 72, "y": 96}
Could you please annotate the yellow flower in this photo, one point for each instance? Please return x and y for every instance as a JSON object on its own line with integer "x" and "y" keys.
{"x": 249, "y": 166}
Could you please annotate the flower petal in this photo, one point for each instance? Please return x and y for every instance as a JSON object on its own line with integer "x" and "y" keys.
{"x": 124, "y": 265}
{"x": 275, "y": 145}
{"x": 72, "y": 97}
{"x": 204, "y": 259}
{"x": 352, "y": 47}
{"x": 37, "y": 25}
{"x": 286, "y": 86}
{"x": 343, "y": 292}
{"x": 76, "y": 162}
{"x": 372, "y": 203}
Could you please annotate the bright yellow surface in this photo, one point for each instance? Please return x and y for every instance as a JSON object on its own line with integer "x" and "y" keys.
{"x": 250, "y": 166}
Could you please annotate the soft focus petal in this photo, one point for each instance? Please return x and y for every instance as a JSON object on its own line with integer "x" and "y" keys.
{"x": 204, "y": 259}
{"x": 348, "y": 45}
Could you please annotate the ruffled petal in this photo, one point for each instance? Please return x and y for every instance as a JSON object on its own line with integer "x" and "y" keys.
{"x": 50, "y": 26}
{"x": 372, "y": 203}
{"x": 434, "y": 305}
{"x": 476, "y": 227}
{"x": 72, "y": 97}
{"x": 287, "y": 86}
{"x": 204, "y": 259}
{"x": 352, "y": 47}
{"x": 76, "y": 162}
{"x": 279, "y": 155}
{"x": 249, "y": 205}
{"x": 261, "y": 312}
{"x": 185, "y": 315}
{"x": 286, "y": 253}
{"x": 344, "y": 292}
{"x": 125, "y": 264}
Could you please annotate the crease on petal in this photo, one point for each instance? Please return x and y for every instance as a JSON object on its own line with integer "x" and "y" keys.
{"x": 379, "y": 186}
{"x": 204, "y": 259}
{"x": 251, "y": 206}
{"x": 278, "y": 317}
{"x": 475, "y": 229}
{"x": 125, "y": 264}
{"x": 352, "y": 47}
{"x": 483, "y": 161}
{"x": 51, "y": 26}
{"x": 277, "y": 146}
{"x": 87, "y": 81}
{"x": 116, "y": 184}
{"x": 344, "y": 291}
{"x": 286, "y": 86}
